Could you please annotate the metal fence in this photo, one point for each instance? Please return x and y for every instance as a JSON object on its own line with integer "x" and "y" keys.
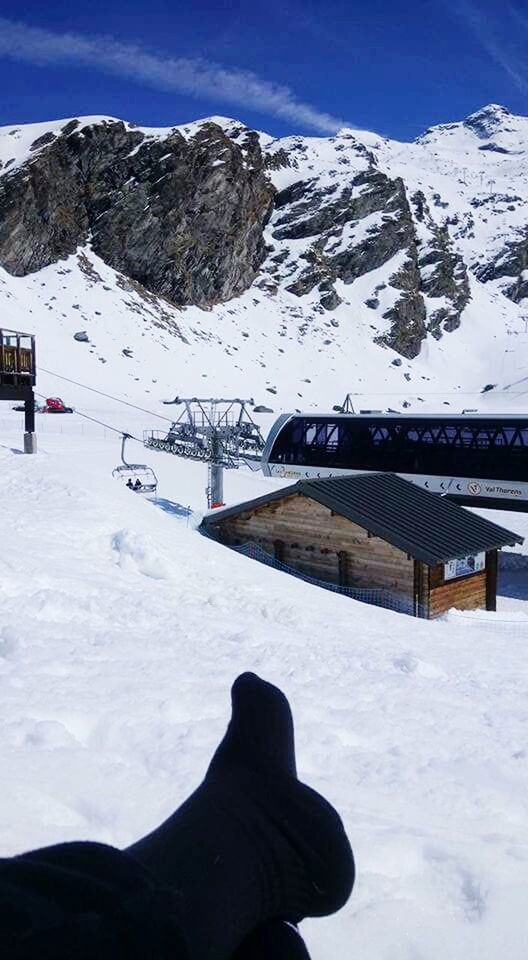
{"x": 484, "y": 622}
{"x": 58, "y": 424}
{"x": 378, "y": 597}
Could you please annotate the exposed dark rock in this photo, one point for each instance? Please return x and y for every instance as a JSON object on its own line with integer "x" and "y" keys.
{"x": 408, "y": 315}
{"x": 330, "y": 300}
{"x": 81, "y": 336}
{"x": 495, "y": 198}
{"x": 488, "y": 120}
{"x": 71, "y": 126}
{"x": 296, "y": 191}
{"x": 277, "y": 160}
{"x": 183, "y": 218}
{"x": 512, "y": 262}
{"x": 519, "y": 290}
{"x": 393, "y": 234}
{"x": 322, "y": 214}
{"x": 433, "y": 269}
{"x": 493, "y": 148}
{"x": 42, "y": 141}
{"x": 442, "y": 272}
{"x": 313, "y": 215}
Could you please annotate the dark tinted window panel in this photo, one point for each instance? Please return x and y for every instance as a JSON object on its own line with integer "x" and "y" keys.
{"x": 492, "y": 450}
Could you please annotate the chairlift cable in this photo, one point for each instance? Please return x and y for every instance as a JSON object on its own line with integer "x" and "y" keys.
{"x": 103, "y": 394}
{"x": 107, "y": 426}
{"x": 149, "y": 487}
{"x": 122, "y": 433}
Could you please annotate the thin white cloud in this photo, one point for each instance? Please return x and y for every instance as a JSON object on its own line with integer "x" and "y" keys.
{"x": 501, "y": 49}
{"x": 197, "y": 78}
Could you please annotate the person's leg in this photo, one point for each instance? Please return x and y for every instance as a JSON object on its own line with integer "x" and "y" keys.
{"x": 250, "y": 849}
{"x": 275, "y": 940}
{"x": 252, "y": 843}
{"x": 85, "y": 901}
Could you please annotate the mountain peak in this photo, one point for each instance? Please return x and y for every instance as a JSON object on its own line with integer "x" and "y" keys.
{"x": 488, "y": 120}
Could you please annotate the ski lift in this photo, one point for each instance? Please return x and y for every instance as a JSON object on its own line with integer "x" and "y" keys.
{"x": 135, "y": 476}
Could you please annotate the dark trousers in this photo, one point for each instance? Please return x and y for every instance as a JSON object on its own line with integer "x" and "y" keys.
{"x": 88, "y": 901}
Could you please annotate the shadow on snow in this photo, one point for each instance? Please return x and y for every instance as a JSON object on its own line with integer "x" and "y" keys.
{"x": 513, "y": 583}
{"x": 174, "y": 509}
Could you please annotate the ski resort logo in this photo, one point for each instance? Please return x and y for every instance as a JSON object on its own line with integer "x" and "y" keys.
{"x": 474, "y": 488}
{"x": 288, "y": 474}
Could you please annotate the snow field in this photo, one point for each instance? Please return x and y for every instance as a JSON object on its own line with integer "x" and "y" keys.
{"x": 121, "y": 631}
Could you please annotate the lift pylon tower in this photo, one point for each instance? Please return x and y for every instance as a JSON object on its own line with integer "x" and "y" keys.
{"x": 18, "y": 370}
{"x": 218, "y": 432}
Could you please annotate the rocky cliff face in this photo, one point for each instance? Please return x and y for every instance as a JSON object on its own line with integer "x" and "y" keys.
{"x": 352, "y": 229}
{"x": 184, "y": 218}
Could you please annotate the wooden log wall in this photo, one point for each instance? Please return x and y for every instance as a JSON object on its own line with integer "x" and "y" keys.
{"x": 421, "y": 588}
{"x": 309, "y": 537}
{"x": 465, "y": 593}
{"x": 476, "y": 591}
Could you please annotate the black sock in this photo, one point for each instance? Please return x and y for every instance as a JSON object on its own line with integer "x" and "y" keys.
{"x": 252, "y": 843}
{"x": 261, "y": 727}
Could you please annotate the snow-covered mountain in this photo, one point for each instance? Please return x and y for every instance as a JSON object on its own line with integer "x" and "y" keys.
{"x": 209, "y": 258}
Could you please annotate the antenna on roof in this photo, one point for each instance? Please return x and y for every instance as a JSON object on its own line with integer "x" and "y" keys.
{"x": 346, "y": 407}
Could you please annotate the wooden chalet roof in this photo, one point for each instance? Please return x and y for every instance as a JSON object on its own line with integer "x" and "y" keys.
{"x": 426, "y": 526}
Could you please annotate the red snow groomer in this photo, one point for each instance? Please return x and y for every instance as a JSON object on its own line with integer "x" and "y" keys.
{"x": 55, "y": 405}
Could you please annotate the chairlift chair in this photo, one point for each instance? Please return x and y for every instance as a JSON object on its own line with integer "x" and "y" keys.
{"x": 136, "y": 476}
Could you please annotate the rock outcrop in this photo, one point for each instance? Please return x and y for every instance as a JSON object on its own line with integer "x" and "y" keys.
{"x": 510, "y": 265}
{"x": 185, "y": 218}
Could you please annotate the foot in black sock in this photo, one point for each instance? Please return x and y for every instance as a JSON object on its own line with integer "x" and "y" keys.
{"x": 252, "y": 843}
{"x": 258, "y": 751}
{"x": 261, "y": 727}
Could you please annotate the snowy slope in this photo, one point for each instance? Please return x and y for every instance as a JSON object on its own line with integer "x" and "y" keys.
{"x": 121, "y": 631}
{"x": 242, "y": 348}
{"x": 115, "y": 616}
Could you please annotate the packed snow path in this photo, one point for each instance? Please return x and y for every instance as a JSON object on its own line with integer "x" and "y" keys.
{"x": 121, "y": 632}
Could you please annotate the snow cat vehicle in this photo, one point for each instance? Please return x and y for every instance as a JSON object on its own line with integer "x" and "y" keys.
{"x": 135, "y": 476}
{"x": 55, "y": 405}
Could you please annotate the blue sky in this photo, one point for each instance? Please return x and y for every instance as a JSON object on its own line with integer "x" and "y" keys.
{"x": 288, "y": 66}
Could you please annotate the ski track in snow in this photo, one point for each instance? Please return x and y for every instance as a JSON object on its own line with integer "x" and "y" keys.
{"x": 121, "y": 632}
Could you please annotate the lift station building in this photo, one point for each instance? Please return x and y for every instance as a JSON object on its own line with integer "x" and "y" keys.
{"x": 374, "y": 536}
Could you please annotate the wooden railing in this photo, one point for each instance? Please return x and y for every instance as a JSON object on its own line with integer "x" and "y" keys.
{"x": 17, "y": 358}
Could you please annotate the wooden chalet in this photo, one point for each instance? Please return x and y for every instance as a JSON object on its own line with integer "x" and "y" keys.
{"x": 374, "y": 531}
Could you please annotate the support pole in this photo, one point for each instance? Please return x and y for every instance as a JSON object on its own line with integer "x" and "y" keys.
{"x": 30, "y": 439}
{"x": 216, "y": 485}
{"x": 216, "y": 472}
